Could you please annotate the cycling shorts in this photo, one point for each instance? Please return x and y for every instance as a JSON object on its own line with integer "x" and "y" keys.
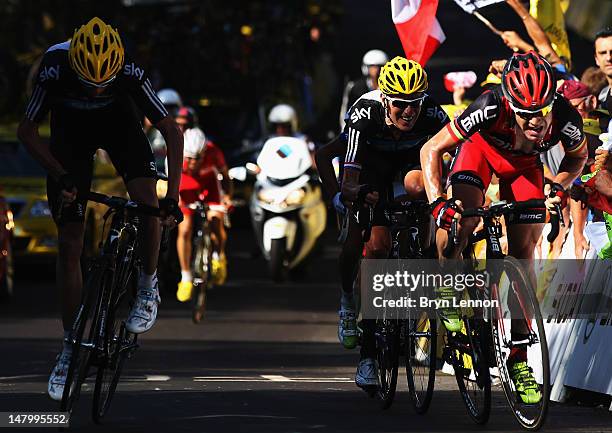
{"x": 521, "y": 177}
{"x": 75, "y": 137}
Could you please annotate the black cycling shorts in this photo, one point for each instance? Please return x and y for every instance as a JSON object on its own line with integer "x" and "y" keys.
{"x": 75, "y": 137}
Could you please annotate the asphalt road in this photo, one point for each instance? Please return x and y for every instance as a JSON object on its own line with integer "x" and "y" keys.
{"x": 266, "y": 359}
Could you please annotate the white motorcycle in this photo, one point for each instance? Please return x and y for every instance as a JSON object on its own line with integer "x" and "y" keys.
{"x": 287, "y": 209}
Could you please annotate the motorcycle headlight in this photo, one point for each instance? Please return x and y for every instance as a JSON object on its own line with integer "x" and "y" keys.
{"x": 295, "y": 197}
{"x": 40, "y": 208}
{"x": 265, "y": 196}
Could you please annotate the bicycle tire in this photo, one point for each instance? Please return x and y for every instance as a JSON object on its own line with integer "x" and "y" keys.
{"x": 81, "y": 358}
{"x": 475, "y": 340}
{"x": 116, "y": 337}
{"x": 530, "y": 417}
{"x": 416, "y": 358}
{"x": 201, "y": 266}
{"x": 387, "y": 354}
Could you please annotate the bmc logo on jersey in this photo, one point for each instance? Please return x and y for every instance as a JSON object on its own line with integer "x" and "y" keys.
{"x": 360, "y": 113}
{"x": 133, "y": 70}
{"x": 434, "y": 112}
{"x": 571, "y": 131}
{"x": 478, "y": 116}
{"x": 49, "y": 73}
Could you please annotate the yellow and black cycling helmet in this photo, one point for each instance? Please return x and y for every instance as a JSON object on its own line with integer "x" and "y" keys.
{"x": 96, "y": 53}
{"x": 400, "y": 76}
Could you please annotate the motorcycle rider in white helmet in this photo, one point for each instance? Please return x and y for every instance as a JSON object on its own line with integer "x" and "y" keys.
{"x": 283, "y": 123}
{"x": 371, "y": 63}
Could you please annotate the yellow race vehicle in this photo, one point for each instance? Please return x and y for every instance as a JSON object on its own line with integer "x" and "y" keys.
{"x": 23, "y": 183}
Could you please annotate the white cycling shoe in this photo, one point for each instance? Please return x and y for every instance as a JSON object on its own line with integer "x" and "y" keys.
{"x": 144, "y": 311}
{"x": 57, "y": 380}
{"x": 367, "y": 374}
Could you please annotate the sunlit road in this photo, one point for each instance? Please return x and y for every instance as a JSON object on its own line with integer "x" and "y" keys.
{"x": 266, "y": 359}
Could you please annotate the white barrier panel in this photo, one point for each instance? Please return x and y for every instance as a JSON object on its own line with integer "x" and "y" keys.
{"x": 581, "y": 349}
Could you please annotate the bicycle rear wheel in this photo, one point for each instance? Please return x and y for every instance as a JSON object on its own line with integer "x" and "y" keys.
{"x": 517, "y": 305}
{"x": 420, "y": 349}
{"x": 468, "y": 355}
{"x": 83, "y": 346}
{"x": 387, "y": 352}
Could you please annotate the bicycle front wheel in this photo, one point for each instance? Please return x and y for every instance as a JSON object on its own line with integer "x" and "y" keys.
{"x": 387, "y": 351}
{"x": 202, "y": 277}
{"x": 517, "y": 325}
{"x": 83, "y": 345}
{"x": 468, "y": 354}
{"x": 420, "y": 346}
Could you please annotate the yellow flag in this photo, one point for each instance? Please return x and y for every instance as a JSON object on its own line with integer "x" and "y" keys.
{"x": 549, "y": 14}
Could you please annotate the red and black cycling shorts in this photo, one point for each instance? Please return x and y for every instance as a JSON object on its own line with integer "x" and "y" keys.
{"x": 521, "y": 177}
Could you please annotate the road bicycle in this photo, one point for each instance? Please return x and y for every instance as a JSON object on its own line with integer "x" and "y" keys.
{"x": 201, "y": 259}
{"x": 99, "y": 337}
{"x": 415, "y": 336}
{"x": 486, "y": 338}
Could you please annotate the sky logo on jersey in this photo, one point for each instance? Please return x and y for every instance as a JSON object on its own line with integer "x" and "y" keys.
{"x": 477, "y": 117}
{"x": 572, "y": 131}
{"x": 436, "y": 113}
{"x": 133, "y": 70}
{"x": 360, "y": 113}
{"x": 49, "y": 73}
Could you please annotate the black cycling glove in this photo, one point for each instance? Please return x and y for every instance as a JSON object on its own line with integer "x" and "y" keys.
{"x": 169, "y": 206}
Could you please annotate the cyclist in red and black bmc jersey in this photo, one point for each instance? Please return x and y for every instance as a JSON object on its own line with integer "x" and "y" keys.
{"x": 502, "y": 132}
{"x": 92, "y": 91}
{"x": 384, "y": 132}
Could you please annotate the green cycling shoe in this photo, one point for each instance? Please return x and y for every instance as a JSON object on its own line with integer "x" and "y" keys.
{"x": 526, "y": 386}
{"x": 450, "y": 316}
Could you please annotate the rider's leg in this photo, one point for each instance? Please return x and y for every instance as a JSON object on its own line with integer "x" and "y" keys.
{"x": 471, "y": 195}
{"x": 218, "y": 232}
{"x": 142, "y": 190}
{"x": 415, "y": 190}
{"x": 377, "y": 247}
{"x": 218, "y": 237}
{"x": 69, "y": 278}
{"x": 413, "y": 184}
{"x": 183, "y": 242}
{"x": 144, "y": 309}
{"x": 349, "y": 262}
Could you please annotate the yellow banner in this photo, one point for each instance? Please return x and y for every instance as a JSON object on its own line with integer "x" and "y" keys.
{"x": 549, "y": 14}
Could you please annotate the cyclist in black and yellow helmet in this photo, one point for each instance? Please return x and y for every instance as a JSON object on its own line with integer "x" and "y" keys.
{"x": 384, "y": 132}
{"x": 91, "y": 89}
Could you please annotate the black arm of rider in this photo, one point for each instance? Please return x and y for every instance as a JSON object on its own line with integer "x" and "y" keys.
{"x": 27, "y": 133}
{"x": 174, "y": 143}
{"x": 324, "y": 157}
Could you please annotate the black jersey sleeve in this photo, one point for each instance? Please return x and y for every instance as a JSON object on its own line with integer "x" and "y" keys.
{"x": 140, "y": 89}
{"x": 479, "y": 115}
{"x": 361, "y": 117}
{"x": 571, "y": 127}
{"x": 45, "y": 82}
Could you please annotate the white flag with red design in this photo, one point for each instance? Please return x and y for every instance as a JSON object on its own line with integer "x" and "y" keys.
{"x": 417, "y": 27}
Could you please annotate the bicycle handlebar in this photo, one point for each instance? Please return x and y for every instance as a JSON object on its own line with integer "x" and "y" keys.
{"x": 502, "y": 208}
{"x": 123, "y": 203}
